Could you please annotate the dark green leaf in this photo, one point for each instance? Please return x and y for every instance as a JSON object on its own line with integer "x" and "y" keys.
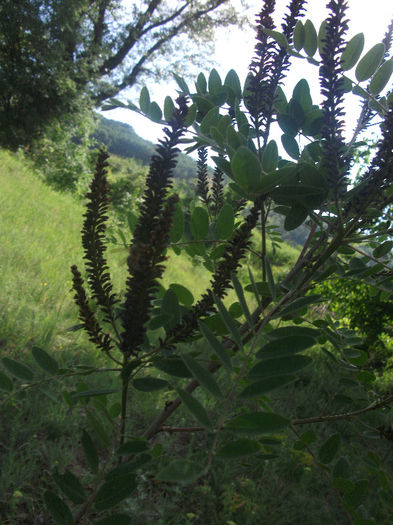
{"x": 225, "y": 222}
{"x": 246, "y": 168}
{"x": 370, "y": 62}
{"x": 242, "y": 301}
{"x": 144, "y": 100}
{"x": 239, "y": 448}
{"x": 155, "y": 112}
{"x": 270, "y": 278}
{"x": 291, "y": 146}
{"x": 356, "y": 496}
{"x": 280, "y": 38}
{"x": 183, "y": 294}
{"x": 115, "y": 519}
{"x": 71, "y": 486}
{"x": 329, "y": 449}
{"x": 177, "y": 228}
{"x": 258, "y": 423}
{"x": 201, "y": 84}
{"x": 128, "y": 468}
{"x": 191, "y": 114}
{"x": 199, "y": 223}
{"x": 149, "y": 384}
{"x": 58, "y": 509}
{"x": 170, "y": 307}
{"x": 203, "y": 376}
{"x": 352, "y": 52}
{"x": 169, "y": 108}
{"x": 268, "y": 384}
{"x": 44, "y": 360}
{"x": 230, "y": 323}
{"x": 293, "y": 331}
{"x": 284, "y": 346}
{"x": 297, "y": 215}
{"x": 182, "y": 84}
{"x": 5, "y": 383}
{"x": 214, "y": 83}
{"x": 233, "y": 82}
{"x": 210, "y": 119}
{"x": 17, "y": 369}
{"x": 383, "y": 249}
{"x": 270, "y": 157}
{"x": 133, "y": 447}
{"x": 288, "y": 124}
{"x": 302, "y": 95}
{"x": 173, "y": 366}
{"x": 98, "y": 427}
{"x": 342, "y": 469}
{"x": 279, "y": 366}
{"x": 114, "y": 491}
{"x": 310, "y": 38}
{"x": 94, "y": 393}
{"x": 196, "y": 409}
{"x": 300, "y": 303}
{"x": 181, "y": 471}
{"x": 299, "y": 35}
{"x": 322, "y": 36}
{"x": 216, "y": 346}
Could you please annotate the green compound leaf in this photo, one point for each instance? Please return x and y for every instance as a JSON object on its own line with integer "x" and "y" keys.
{"x": 58, "y": 509}
{"x": 44, "y": 360}
{"x": 258, "y": 423}
{"x": 370, "y": 62}
{"x": 17, "y": 369}
{"x": 181, "y": 471}
{"x": 239, "y": 448}
{"x": 203, "y": 376}
{"x": 196, "y": 409}
{"x": 352, "y": 52}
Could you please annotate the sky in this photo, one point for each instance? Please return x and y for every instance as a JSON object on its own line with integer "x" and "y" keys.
{"x": 234, "y": 50}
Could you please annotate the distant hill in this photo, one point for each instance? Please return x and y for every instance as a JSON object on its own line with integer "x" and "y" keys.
{"x": 122, "y": 140}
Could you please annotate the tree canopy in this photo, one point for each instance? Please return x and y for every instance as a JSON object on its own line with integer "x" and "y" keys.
{"x": 56, "y": 55}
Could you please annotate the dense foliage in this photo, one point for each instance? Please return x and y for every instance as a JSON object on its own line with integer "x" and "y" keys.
{"x": 225, "y": 367}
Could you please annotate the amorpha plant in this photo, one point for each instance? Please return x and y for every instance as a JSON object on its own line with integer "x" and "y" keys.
{"x": 237, "y": 361}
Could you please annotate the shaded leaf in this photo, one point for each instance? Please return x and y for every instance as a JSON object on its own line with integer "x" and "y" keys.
{"x": 299, "y": 35}
{"x": 144, "y": 100}
{"x": 199, "y": 223}
{"x": 295, "y": 218}
{"x": 229, "y": 322}
{"x": 155, "y": 112}
{"x": 115, "y": 519}
{"x": 203, "y": 376}
{"x": 225, "y": 222}
{"x": 5, "y": 383}
{"x": 279, "y": 366}
{"x": 329, "y": 449}
{"x": 268, "y": 384}
{"x": 370, "y": 62}
{"x": 58, "y": 509}
{"x": 183, "y": 294}
{"x": 169, "y": 108}
{"x": 71, "y": 486}
{"x": 239, "y": 448}
{"x": 181, "y": 471}
{"x": 242, "y": 301}
{"x": 246, "y": 168}
{"x": 383, "y": 249}
{"x": 291, "y": 146}
{"x": 196, "y": 409}
{"x": 149, "y": 384}
{"x": 300, "y": 303}
{"x": 216, "y": 346}
{"x": 173, "y": 366}
{"x": 44, "y": 360}
{"x": 352, "y": 52}
{"x": 270, "y": 156}
{"x": 114, "y": 491}
{"x": 284, "y": 346}
{"x": 18, "y": 370}
{"x": 133, "y": 447}
{"x": 310, "y": 38}
{"x": 177, "y": 227}
{"x": 258, "y": 423}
